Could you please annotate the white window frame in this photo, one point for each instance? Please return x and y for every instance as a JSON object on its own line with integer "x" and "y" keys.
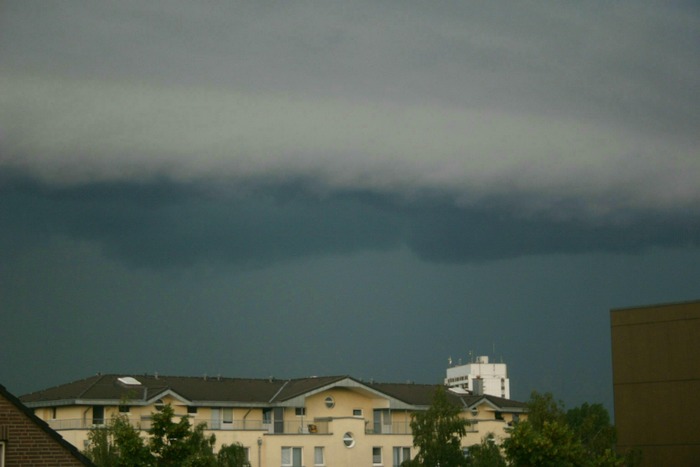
{"x": 356, "y": 412}
{"x": 381, "y": 455}
{"x": 401, "y": 454}
{"x": 290, "y": 461}
{"x": 322, "y": 451}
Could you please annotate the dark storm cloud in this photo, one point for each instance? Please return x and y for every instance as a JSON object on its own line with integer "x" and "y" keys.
{"x": 450, "y": 234}
{"x": 162, "y": 224}
{"x": 305, "y": 187}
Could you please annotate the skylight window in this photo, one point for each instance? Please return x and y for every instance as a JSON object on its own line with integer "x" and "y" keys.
{"x": 129, "y": 381}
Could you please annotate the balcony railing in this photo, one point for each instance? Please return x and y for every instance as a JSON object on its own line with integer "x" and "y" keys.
{"x": 283, "y": 427}
{"x": 395, "y": 428}
{"x": 404, "y": 428}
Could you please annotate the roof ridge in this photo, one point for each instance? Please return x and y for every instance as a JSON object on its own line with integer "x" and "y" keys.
{"x": 329, "y": 380}
{"x": 100, "y": 377}
{"x": 279, "y": 390}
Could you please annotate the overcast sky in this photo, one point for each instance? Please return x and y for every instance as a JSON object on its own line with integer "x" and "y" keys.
{"x": 323, "y": 188}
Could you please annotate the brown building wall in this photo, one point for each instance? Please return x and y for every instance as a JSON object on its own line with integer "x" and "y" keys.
{"x": 27, "y": 443}
{"x": 656, "y": 381}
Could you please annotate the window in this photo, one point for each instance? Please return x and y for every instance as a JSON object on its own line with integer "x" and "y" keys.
{"x": 300, "y": 411}
{"x": 377, "y": 456}
{"x": 2, "y": 454}
{"x": 319, "y": 458}
{"x": 227, "y": 417}
{"x": 382, "y": 421}
{"x": 330, "y": 402}
{"x": 191, "y": 410}
{"x": 291, "y": 457}
{"x": 159, "y": 405}
{"x": 98, "y": 415}
{"x": 267, "y": 416}
{"x": 348, "y": 440}
{"x": 401, "y": 454}
{"x": 53, "y": 413}
{"x": 356, "y": 412}
{"x": 124, "y": 409}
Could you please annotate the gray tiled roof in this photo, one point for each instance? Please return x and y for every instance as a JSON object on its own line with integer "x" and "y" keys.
{"x": 415, "y": 394}
{"x": 107, "y": 387}
{"x": 234, "y": 390}
{"x": 422, "y": 395}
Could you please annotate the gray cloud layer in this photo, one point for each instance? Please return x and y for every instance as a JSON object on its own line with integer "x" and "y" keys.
{"x": 591, "y": 106}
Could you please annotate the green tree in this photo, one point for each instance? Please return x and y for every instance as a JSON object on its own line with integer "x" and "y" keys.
{"x": 552, "y": 445}
{"x": 438, "y": 432}
{"x": 177, "y": 444}
{"x": 118, "y": 444}
{"x": 591, "y": 423}
{"x": 486, "y": 454}
{"x": 232, "y": 456}
{"x": 543, "y": 408}
{"x": 170, "y": 443}
{"x": 551, "y": 436}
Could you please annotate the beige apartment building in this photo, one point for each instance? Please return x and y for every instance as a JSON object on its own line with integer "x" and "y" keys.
{"x": 316, "y": 421}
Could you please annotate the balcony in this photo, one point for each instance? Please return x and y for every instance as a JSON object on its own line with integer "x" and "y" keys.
{"x": 394, "y": 428}
{"x": 404, "y": 428}
{"x": 296, "y": 427}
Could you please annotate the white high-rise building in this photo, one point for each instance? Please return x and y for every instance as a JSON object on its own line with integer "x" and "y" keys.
{"x": 480, "y": 377}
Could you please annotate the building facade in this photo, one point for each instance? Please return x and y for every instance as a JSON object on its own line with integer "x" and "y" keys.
{"x": 317, "y": 421}
{"x": 25, "y": 440}
{"x": 480, "y": 377}
{"x": 656, "y": 381}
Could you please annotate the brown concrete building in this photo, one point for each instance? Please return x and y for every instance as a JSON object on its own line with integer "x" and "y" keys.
{"x": 25, "y": 440}
{"x": 656, "y": 381}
